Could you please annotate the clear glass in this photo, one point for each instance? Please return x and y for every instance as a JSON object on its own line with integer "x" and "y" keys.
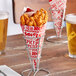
{"x": 3, "y": 30}
{"x": 71, "y": 34}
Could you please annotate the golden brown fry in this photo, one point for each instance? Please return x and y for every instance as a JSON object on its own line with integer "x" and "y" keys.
{"x": 27, "y": 21}
{"x": 35, "y": 16}
{"x": 30, "y": 23}
{"x": 39, "y": 21}
{"x": 31, "y": 18}
{"x": 38, "y": 13}
{"x": 22, "y": 20}
{"x": 45, "y": 12}
{"x": 26, "y": 16}
{"x": 43, "y": 15}
{"x": 41, "y": 9}
{"x": 35, "y": 24}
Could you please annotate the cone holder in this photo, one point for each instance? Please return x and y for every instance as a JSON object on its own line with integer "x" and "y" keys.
{"x": 36, "y": 56}
{"x": 41, "y": 69}
{"x": 58, "y": 31}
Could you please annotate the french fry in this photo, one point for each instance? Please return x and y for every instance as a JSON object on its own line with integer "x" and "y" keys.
{"x": 35, "y": 24}
{"x": 27, "y": 21}
{"x": 22, "y": 20}
{"x": 37, "y": 19}
{"x": 26, "y": 16}
{"x": 30, "y": 23}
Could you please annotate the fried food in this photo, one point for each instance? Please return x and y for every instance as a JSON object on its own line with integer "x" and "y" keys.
{"x": 22, "y": 20}
{"x": 37, "y": 19}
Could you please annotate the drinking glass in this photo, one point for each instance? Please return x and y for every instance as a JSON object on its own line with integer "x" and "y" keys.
{"x": 3, "y": 30}
{"x": 71, "y": 34}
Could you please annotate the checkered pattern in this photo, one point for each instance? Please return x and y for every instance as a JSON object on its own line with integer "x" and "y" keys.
{"x": 58, "y": 4}
{"x": 57, "y": 10}
{"x": 34, "y": 40}
{"x": 57, "y": 14}
{"x": 58, "y": 24}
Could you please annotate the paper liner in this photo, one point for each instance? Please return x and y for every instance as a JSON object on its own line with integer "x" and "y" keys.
{"x": 58, "y": 26}
{"x": 34, "y": 37}
{"x": 58, "y": 23}
{"x": 58, "y": 18}
{"x": 58, "y": 13}
{"x": 57, "y": 4}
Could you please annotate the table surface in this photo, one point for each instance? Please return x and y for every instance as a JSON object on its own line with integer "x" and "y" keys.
{"x": 54, "y": 57}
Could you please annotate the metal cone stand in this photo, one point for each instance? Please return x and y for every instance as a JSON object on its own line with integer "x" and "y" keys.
{"x": 34, "y": 54}
{"x": 58, "y": 29}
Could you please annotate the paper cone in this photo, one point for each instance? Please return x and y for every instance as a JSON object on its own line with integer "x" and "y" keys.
{"x": 58, "y": 12}
{"x": 57, "y": 4}
{"x": 34, "y": 37}
{"x": 58, "y": 26}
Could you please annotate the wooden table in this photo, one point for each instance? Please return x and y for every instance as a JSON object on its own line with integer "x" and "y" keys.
{"x": 54, "y": 57}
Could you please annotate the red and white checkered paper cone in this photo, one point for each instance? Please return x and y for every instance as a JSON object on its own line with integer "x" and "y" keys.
{"x": 34, "y": 37}
{"x": 58, "y": 13}
{"x": 57, "y": 4}
{"x": 58, "y": 23}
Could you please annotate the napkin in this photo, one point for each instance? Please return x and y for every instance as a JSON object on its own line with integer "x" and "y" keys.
{"x": 7, "y": 71}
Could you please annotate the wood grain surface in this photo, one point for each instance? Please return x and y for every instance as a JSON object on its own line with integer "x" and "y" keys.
{"x": 37, "y": 4}
{"x": 54, "y": 57}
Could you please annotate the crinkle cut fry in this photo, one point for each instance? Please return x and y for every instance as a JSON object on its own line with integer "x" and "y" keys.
{"x": 37, "y": 19}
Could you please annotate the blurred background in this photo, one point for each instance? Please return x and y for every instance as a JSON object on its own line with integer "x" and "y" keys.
{"x": 15, "y": 8}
